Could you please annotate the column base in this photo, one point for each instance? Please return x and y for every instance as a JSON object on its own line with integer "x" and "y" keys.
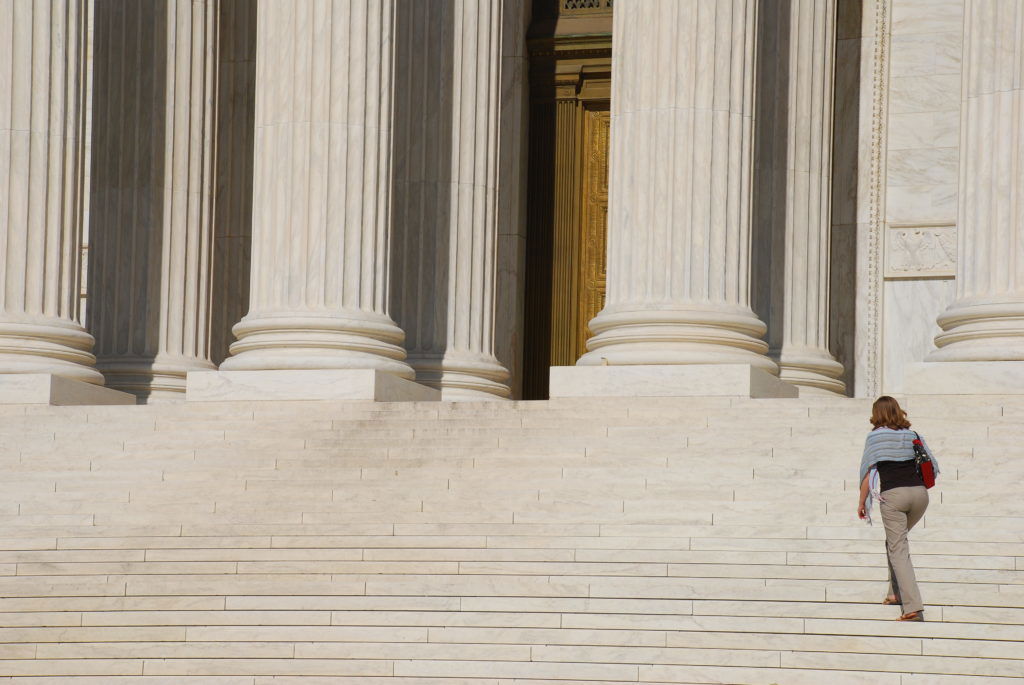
{"x": 304, "y": 384}
{"x": 812, "y": 370}
{"x": 47, "y": 388}
{"x": 964, "y": 378}
{"x": 343, "y": 340}
{"x": 680, "y": 335}
{"x": 462, "y": 377}
{"x": 667, "y": 380}
{"x": 151, "y": 379}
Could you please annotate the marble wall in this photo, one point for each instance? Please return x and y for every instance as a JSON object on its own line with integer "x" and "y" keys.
{"x": 918, "y": 241}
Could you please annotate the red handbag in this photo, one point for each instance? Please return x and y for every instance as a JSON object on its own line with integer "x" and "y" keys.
{"x": 925, "y": 467}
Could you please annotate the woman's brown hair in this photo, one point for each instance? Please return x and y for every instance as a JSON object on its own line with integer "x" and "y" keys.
{"x": 886, "y": 412}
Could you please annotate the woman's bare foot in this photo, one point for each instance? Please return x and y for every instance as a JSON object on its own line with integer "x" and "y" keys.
{"x": 891, "y": 599}
{"x": 912, "y": 616}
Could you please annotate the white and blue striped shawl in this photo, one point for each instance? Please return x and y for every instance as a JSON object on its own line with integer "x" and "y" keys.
{"x": 886, "y": 444}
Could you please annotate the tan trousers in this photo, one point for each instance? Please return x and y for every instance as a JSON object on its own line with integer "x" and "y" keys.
{"x": 901, "y": 509}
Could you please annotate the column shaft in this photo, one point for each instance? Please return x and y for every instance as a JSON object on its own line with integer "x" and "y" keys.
{"x": 42, "y": 72}
{"x": 449, "y": 180}
{"x": 152, "y": 215}
{"x": 321, "y": 207}
{"x": 984, "y": 322}
{"x": 680, "y": 188}
{"x": 798, "y": 156}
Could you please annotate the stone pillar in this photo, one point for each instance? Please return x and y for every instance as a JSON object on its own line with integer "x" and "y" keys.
{"x": 680, "y": 188}
{"x": 796, "y": 197}
{"x": 152, "y": 184}
{"x": 449, "y": 181}
{"x": 984, "y": 322}
{"x": 42, "y": 79}
{"x": 321, "y": 194}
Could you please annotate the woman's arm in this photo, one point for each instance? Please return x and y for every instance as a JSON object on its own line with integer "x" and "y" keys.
{"x": 864, "y": 487}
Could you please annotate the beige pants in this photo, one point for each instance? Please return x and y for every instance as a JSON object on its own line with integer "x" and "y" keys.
{"x": 901, "y": 509}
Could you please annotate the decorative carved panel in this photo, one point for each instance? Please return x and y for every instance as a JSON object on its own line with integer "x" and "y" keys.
{"x": 585, "y": 6}
{"x": 920, "y": 251}
{"x": 593, "y": 220}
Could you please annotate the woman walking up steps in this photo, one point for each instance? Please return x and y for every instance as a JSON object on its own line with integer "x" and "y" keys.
{"x": 889, "y": 470}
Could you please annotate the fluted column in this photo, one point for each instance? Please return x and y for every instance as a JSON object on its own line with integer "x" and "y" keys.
{"x": 680, "y": 188}
{"x": 42, "y": 70}
{"x": 152, "y": 185}
{"x": 800, "y": 151}
{"x": 321, "y": 207}
{"x": 452, "y": 87}
{"x": 984, "y": 323}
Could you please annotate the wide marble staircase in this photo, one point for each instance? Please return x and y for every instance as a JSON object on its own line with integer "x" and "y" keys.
{"x": 625, "y": 541}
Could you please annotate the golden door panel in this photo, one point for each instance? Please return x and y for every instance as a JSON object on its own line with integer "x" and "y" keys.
{"x": 593, "y": 220}
{"x": 567, "y": 195}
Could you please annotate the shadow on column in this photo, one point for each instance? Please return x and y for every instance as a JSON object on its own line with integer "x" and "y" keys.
{"x": 845, "y": 150}
{"x": 127, "y": 189}
{"x": 232, "y": 222}
{"x": 421, "y": 179}
{"x": 771, "y": 140}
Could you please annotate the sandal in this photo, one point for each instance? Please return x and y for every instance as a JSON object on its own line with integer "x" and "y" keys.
{"x": 912, "y": 616}
{"x": 891, "y": 600}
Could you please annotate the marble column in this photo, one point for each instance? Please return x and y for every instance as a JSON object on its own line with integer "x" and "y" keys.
{"x": 152, "y": 184}
{"x": 680, "y": 188}
{"x": 321, "y": 194}
{"x": 449, "y": 179}
{"x": 42, "y": 78}
{"x": 796, "y": 194}
{"x": 984, "y": 322}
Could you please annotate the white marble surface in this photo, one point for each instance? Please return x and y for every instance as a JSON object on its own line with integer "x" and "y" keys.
{"x": 152, "y": 233}
{"x": 679, "y": 214}
{"x": 667, "y": 380}
{"x": 910, "y": 309}
{"x": 320, "y": 384}
{"x": 964, "y": 378}
{"x": 45, "y": 388}
{"x": 451, "y": 184}
{"x": 983, "y": 324}
{"x": 928, "y": 16}
{"x": 916, "y": 130}
{"x": 794, "y": 177}
{"x": 42, "y": 118}
{"x": 920, "y": 93}
{"x": 321, "y": 230}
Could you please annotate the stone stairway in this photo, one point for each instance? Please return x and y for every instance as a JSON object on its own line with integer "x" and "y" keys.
{"x": 654, "y": 541}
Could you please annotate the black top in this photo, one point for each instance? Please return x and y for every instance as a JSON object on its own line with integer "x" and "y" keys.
{"x": 898, "y": 474}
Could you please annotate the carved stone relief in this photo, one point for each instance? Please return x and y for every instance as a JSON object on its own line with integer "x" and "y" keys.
{"x": 920, "y": 252}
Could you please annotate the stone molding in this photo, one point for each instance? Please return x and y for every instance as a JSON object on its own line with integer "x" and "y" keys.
{"x": 870, "y": 266}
